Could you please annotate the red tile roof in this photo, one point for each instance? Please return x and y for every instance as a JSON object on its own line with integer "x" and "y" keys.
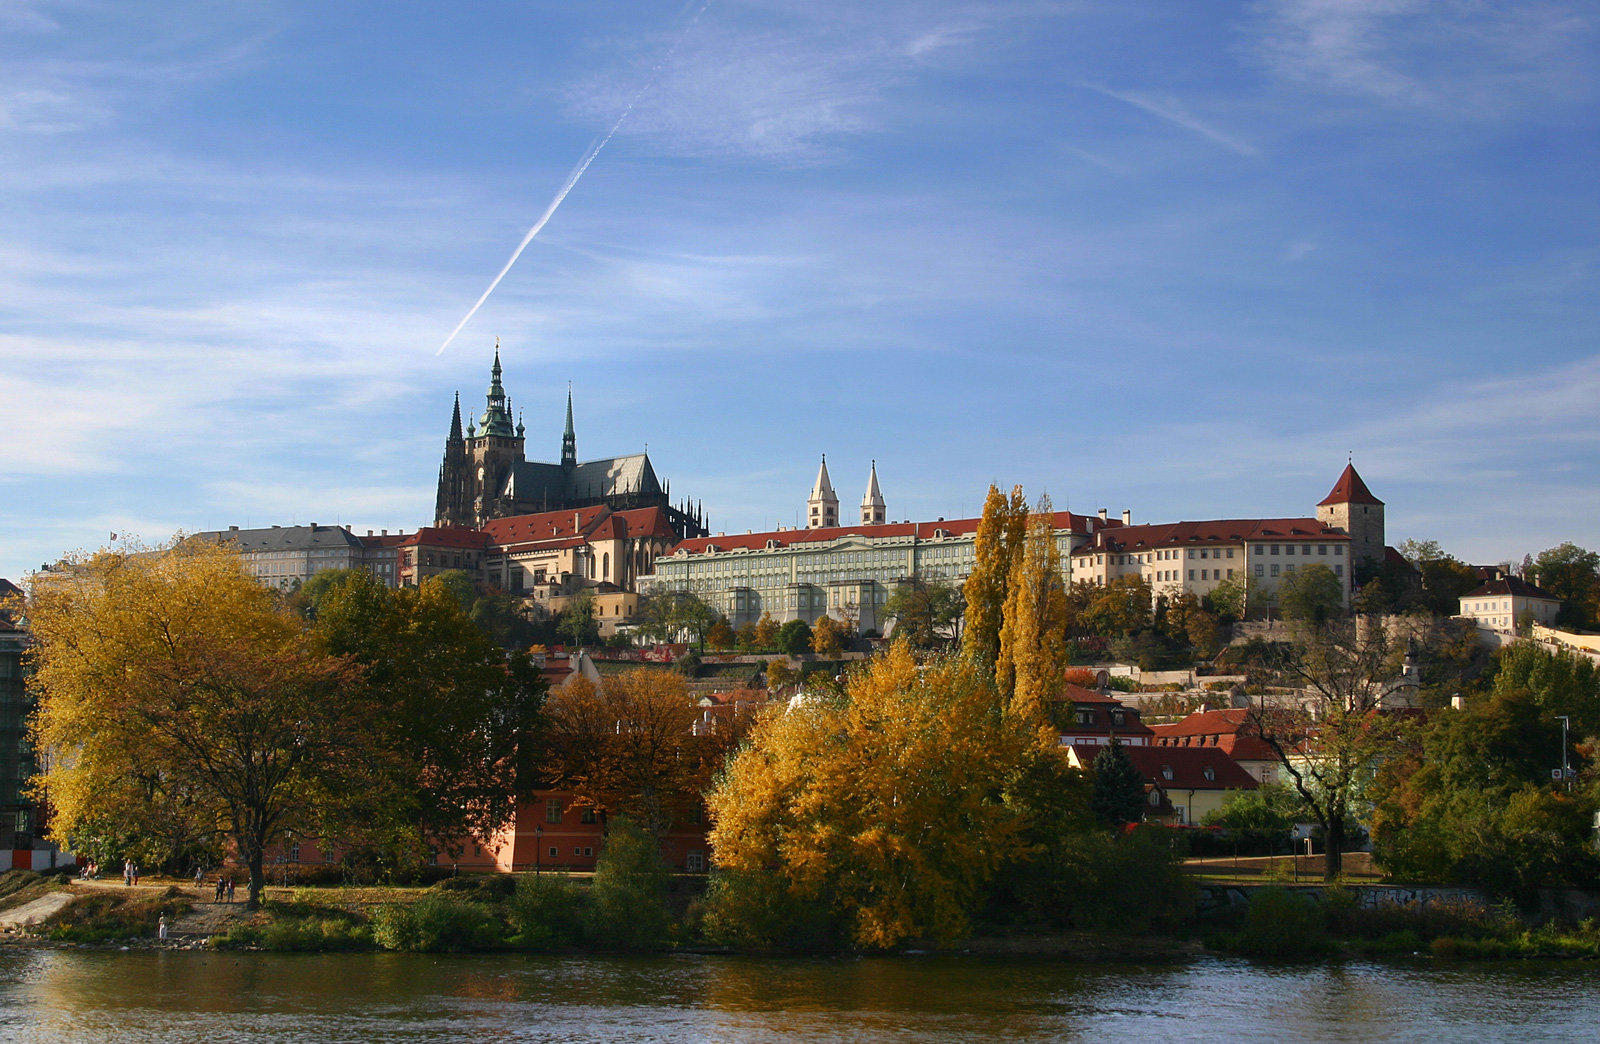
{"x": 1349, "y": 490}
{"x": 1228, "y": 731}
{"x": 1188, "y": 767}
{"x": 1205, "y": 534}
{"x": 447, "y": 536}
{"x": 594, "y": 523}
{"x": 920, "y": 530}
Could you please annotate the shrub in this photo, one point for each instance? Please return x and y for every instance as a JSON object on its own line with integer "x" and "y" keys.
{"x": 746, "y": 911}
{"x": 437, "y": 924}
{"x": 549, "y": 913}
{"x": 630, "y": 890}
{"x": 300, "y": 933}
{"x": 1282, "y": 923}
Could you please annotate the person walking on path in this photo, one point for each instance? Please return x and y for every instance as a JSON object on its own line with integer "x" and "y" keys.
{"x": 221, "y": 887}
{"x": 230, "y": 889}
{"x": 161, "y": 929}
{"x": 199, "y": 876}
{"x": 135, "y": 873}
{"x": 127, "y": 873}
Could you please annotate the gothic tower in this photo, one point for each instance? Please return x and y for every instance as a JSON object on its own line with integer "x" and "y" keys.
{"x": 873, "y": 509}
{"x": 473, "y": 476}
{"x": 569, "y": 439}
{"x": 453, "y": 506}
{"x": 822, "y": 507}
{"x": 1351, "y": 507}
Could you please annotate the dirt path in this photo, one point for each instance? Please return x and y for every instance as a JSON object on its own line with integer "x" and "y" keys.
{"x": 35, "y": 911}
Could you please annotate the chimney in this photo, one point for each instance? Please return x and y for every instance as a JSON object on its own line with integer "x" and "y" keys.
{"x": 1102, "y": 514}
{"x": 385, "y": 532}
{"x": 233, "y": 529}
{"x": 313, "y": 527}
{"x": 1127, "y": 517}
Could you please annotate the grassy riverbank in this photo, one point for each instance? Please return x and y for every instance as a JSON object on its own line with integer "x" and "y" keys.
{"x": 555, "y": 913}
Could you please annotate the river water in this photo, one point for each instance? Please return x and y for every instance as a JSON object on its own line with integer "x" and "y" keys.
{"x": 174, "y": 996}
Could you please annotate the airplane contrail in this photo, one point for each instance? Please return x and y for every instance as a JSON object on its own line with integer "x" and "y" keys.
{"x": 566, "y": 187}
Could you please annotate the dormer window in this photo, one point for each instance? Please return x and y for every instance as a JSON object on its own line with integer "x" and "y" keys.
{"x": 1210, "y": 773}
{"x": 1166, "y": 772}
{"x": 1085, "y": 716}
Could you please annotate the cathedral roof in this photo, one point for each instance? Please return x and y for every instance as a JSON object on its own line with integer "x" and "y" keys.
{"x": 1349, "y": 490}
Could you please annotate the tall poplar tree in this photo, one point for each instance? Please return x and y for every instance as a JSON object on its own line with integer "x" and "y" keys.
{"x": 1033, "y": 646}
{"x": 996, "y": 548}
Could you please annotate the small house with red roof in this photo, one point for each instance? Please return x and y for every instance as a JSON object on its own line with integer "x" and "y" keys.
{"x": 1229, "y": 731}
{"x": 1085, "y": 717}
{"x": 1183, "y": 785}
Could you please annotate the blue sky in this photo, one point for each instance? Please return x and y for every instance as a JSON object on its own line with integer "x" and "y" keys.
{"x": 1178, "y": 258}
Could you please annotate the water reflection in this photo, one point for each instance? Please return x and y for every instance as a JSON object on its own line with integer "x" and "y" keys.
{"x": 217, "y": 998}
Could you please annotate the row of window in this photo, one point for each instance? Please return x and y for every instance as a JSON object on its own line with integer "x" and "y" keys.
{"x": 1338, "y": 569}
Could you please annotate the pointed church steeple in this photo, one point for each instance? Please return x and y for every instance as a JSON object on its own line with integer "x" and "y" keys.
{"x": 455, "y": 420}
{"x": 569, "y": 438}
{"x": 496, "y": 416}
{"x": 873, "y": 509}
{"x": 822, "y": 507}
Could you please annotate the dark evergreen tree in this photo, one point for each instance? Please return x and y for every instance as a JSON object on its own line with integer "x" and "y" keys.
{"x": 1118, "y": 795}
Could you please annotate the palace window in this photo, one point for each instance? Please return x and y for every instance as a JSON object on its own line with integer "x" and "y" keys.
{"x": 552, "y": 810}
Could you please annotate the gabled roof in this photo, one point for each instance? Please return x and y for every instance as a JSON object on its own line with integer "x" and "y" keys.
{"x": 1510, "y": 585}
{"x": 571, "y": 527}
{"x": 1227, "y": 730}
{"x": 1188, "y": 768}
{"x": 1205, "y": 534}
{"x": 1349, "y": 490}
{"x": 282, "y": 538}
{"x": 447, "y": 536}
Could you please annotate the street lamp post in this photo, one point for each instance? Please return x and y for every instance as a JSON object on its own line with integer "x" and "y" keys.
{"x": 538, "y": 848}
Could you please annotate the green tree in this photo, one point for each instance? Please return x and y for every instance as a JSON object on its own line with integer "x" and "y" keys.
{"x": 630, "y": 889}
{"x": 175, "y": 668}
{"x": 996, "y": 547}
{"x": 1270, "y": 808}
{"x": 1572, "y": 574}
{"x": 576, "y": 623}
{"x": 926, "y": 613}
{"x": 1473, "y": 804}
{"x": 464, "y": 720}
{"x": 794, "y": 637}
{"x": 1121, "y": 607}
{"x": 1312, "y": 594}
{"x": 1118, "y": 795}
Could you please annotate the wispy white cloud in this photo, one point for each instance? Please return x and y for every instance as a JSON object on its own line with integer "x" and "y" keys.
{"x": 777, "y": 82}
{"x": 1470, "y": 58}
{"x": 1173, "y": 111}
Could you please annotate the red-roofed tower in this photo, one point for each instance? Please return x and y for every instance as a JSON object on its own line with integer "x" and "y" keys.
{"x": 1351, "y": 507}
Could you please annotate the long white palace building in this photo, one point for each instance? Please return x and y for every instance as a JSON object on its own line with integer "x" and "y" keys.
{"x": 849, "y": 572}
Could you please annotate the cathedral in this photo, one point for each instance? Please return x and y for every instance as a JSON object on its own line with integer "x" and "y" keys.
{"x": 485, "y": 474}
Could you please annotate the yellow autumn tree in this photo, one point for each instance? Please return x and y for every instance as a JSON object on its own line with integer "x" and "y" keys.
{"x": 171, "y": 684}
{"x": 1033, "y": 645}
{"x": 882, "y": 809}
{"x": 996, "y": 547}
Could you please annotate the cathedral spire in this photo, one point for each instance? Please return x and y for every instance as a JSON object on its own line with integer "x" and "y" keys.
{"x": 496, "y": 416}
{"x": 569, "y": 438}
{"x": 455, "y": 420}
